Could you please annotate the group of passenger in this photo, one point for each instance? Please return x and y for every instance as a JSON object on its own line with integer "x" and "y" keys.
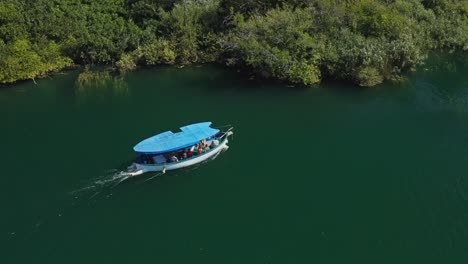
{"x": 202, "y": 147}
{"x": 198, "y": 149}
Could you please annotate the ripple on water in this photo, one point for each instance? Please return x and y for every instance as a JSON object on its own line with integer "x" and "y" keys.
{"x": 433, "y": 96}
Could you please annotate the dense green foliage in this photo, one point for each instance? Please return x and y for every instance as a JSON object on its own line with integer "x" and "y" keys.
{"x": 298, "y": 41}
{"x": 363, "y": 41}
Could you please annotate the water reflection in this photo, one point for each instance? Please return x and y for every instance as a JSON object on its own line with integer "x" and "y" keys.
{"x": 104, "y": 84}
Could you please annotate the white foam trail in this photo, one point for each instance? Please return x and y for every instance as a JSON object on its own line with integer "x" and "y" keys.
{"x": 122, "y": 177}
{"x": 154, "y": 176}
{"x": 119, "y": 176}
{"x": 110, "y": 180}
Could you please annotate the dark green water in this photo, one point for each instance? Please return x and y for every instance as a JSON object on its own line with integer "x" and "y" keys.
{"x": 332, "y": 174}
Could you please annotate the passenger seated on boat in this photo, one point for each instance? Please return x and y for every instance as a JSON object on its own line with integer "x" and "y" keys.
{"x": 203, "y": 143}
{"x": 184, "y": 155}
{"x": 215, "y": 143}
{"x": 200, "y": 150}
{"x": 174, "y": 159}
{"x": 189, "y": 154}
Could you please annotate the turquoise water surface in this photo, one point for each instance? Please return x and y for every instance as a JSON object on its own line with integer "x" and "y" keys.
{"x": 329, "y": 174}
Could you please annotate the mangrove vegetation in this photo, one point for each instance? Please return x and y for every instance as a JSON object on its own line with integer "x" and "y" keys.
{"x": 298, "y": 41}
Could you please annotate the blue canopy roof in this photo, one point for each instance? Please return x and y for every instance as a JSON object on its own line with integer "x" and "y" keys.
{"x": 168, "y": 141}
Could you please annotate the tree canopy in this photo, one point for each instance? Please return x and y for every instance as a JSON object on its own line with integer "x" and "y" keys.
{"x": 297, "y": 41}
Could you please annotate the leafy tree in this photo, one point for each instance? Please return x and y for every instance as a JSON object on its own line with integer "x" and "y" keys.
{"x": 12, "y": 25}
{"x": 20, "y": 61}
{"x": 299, "y": 41}
{"x": 188, "y": 23}
{"x": 278, "y": 44}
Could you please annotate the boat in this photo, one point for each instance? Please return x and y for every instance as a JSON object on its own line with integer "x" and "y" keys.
{"x": 166, "y": 151}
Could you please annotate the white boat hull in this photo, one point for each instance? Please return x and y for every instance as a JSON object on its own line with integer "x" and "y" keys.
{"x": 143, "y": 168}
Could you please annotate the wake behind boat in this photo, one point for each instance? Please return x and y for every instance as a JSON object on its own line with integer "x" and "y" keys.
{"x": 169, "y": 151}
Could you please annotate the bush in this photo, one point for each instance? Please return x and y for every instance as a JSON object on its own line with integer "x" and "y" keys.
{"x": 368, "y": 76}
{"x": 157, "y": 52}
{"x": 126, "y": 63}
